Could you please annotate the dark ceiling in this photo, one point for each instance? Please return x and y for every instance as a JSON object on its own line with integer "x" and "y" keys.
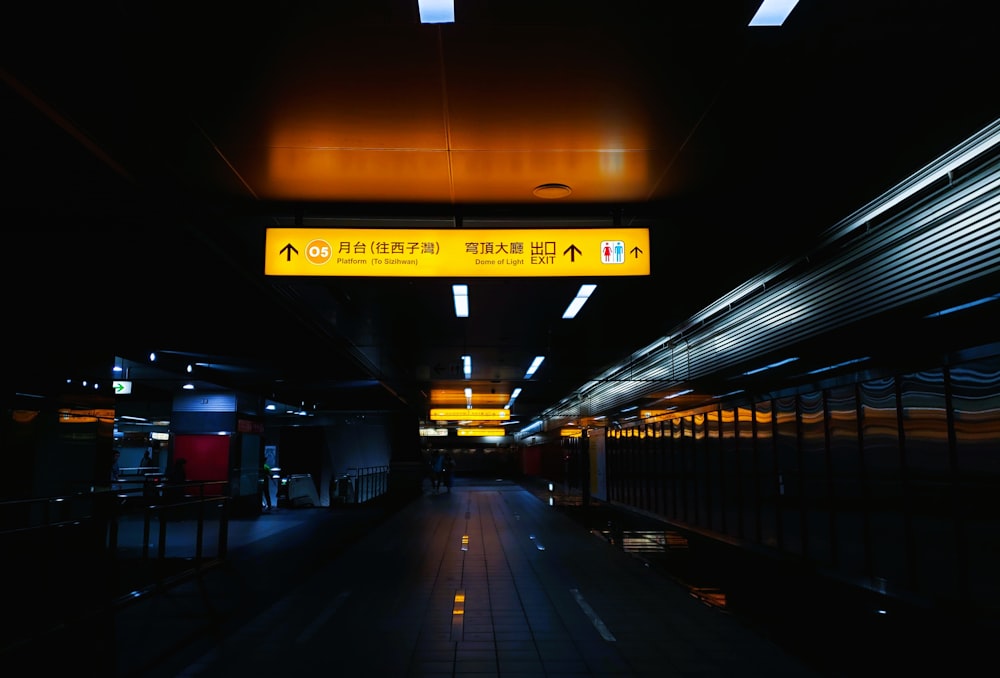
{"x": 149, "y": 147}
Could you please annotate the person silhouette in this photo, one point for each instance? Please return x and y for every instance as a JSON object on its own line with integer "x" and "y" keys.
{"x": 147, "y": 467}
{"x": 437, "y": 469}
{"x": 265, "y": 487}
{"x": 448, "y": 471}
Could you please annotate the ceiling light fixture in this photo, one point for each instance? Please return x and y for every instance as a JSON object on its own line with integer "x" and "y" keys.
{"x": 773, "y": 12}
{"x": 551, "y": 191}
{"x": 513, "y": 397}
{"x": 534, "y": 366}
{"x": 467, "y": 366}
{"x": 436, "y": 11}
{"x": 671, "y": 396}
{"x": 771, "y": 366}
{"x": 962, "y": 307}
{"x": 461, "y": 295}
{"x": 578, "y": 301}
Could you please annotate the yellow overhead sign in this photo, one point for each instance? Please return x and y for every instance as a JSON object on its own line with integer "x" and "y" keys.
{"x": 457, "y": 252}
{"x": 479, "y": 432}
{"x": 469, "y": 414}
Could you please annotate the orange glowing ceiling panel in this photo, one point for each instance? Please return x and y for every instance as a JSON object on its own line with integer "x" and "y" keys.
{"x": 359, "y": 124}
{"x": 547, "y": 121}
{"x": 368, "y": 175}
{"x": 591, "y": 176}
{"x": 396, "y": 115}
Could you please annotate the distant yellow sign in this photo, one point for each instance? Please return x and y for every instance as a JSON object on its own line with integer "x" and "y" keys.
{"x": 469, "y": 414}
{"x": 456, "y": 252}
{"x": 479, "y": 432}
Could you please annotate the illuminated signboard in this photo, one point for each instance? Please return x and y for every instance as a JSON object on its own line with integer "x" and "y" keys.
{"x": 121, "y": 387}
{"x": 480, "y": 431}
{"x": 469, "y": 414}
{"x": 458, "y": 252}
{"x": 73, "y": 416}
{"x": 571, "y": 433}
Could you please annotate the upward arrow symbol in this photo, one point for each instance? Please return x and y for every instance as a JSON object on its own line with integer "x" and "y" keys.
{"x": 288, "y": 250}
{"x": 573, "y": 251}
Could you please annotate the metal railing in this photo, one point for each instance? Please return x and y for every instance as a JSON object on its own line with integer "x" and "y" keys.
{"x": 116, "y": 526}
{"x": 366, "y": 483}
{"x": 77, "y": 556}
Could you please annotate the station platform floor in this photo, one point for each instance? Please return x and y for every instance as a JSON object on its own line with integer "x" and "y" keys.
{"x": 487, "y": 580}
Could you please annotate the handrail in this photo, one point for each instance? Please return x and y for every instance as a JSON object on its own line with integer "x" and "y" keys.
{"x": 128, "y": 515}
{"x": 369, "y": 482}
{"x": 110, "y": 535}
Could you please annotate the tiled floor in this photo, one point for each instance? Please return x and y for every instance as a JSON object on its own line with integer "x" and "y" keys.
{"x": 487, "y": 580}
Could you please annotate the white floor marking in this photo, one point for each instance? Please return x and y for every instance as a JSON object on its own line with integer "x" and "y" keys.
{"x": 594, "y": 619}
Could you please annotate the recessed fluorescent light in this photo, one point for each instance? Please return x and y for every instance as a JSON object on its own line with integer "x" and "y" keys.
{"x": 461, "y": 296}
{"x": 771, "y": 366}
{"x": 678, "y": 394}
{"x": 467, "y": 366}
{"x": 828, "y": 368}
{"x": 727, "y": 395}
{"x": 531, "y": 428}
{"x": 513, "y": 397}
{"x": 579, "y": 300}
{"x": 773, "y": 12}
{"x": 963, "y": 307}
{"x": 436, "y": 11}
{"x": 28, "y": 395}
{"x": 534, "y": 366}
